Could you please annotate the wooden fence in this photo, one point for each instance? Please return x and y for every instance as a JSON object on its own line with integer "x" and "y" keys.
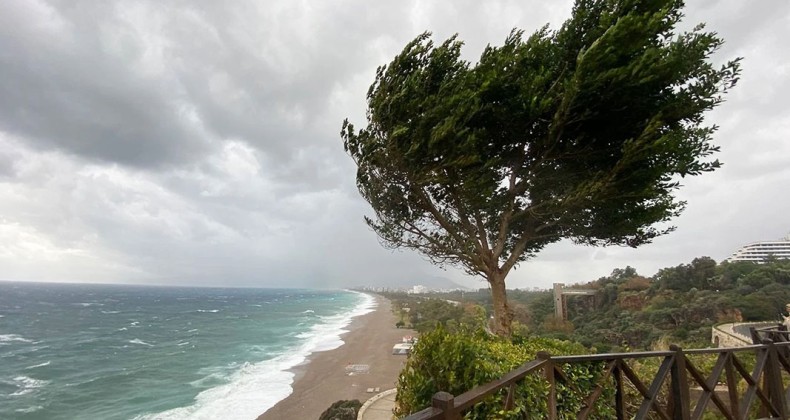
{"x": 679, "y": 389}
{"x": 777, "y": 333}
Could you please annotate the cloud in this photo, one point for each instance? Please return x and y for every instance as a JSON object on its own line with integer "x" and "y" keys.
{"x": 196, "y": 142}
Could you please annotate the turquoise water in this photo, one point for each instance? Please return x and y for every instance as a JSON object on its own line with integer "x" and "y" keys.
{"x": 122, "y": 352}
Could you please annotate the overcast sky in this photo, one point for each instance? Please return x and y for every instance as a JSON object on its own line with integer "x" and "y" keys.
{"x": 197, "y": 142}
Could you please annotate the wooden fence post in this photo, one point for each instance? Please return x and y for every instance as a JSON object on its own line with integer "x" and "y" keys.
{"x": 772, "y": 380}
{"x": 548, "y": 371}
{"x": 732, "y": 384}
{"x": 445, "y": 402}
{"x": 619, "y": 396}
{"x": 755, "y": 336}
{"x": 681, "y": 407}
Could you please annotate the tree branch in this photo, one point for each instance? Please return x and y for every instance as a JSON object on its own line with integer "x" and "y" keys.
{"x": 450, "y": 253}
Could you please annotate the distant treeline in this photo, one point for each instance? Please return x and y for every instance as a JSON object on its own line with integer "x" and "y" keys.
{"x": 629, "y": 311}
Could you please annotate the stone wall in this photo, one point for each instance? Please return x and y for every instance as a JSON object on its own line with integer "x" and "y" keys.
{"x": 734, "y": 334}
{"x": 725, "y": 336}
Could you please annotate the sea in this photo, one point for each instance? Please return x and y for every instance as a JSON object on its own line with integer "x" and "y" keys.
{"x": 78, "y": 351}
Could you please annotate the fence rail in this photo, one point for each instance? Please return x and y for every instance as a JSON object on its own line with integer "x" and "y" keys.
{"x": 679, "y": 389}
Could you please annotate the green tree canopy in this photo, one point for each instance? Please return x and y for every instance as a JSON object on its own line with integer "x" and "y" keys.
{"x": 576, "y": 133}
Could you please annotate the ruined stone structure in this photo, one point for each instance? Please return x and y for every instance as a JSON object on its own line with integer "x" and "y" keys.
{"x": 561, "y": 303}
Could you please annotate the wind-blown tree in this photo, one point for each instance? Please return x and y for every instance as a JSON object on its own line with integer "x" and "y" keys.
{"x": 578, "y": 133}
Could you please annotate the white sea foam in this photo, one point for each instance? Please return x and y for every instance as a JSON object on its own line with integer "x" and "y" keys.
{"x": 256, "y": 387}
{"x": 213, "y": 311}
{"x": 309, "y": 311}
{"x": 27, "y": 410}
{"x": 10, "y": 338}
{"x": 39, "y": 365}
{"x": 141, "y": 342}
{"x": 183, "y": 344}
{"x": 110, "y": 312}
{"x": 34, "y": 349}
{"x": 26, "y": 385}
{"x": 209, "y": 380}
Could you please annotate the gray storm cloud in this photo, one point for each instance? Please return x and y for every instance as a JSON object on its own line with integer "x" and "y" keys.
{"x": 196, "y": 142}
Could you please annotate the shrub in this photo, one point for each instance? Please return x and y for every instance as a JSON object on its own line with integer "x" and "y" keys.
{"x": 457, "y": 362}
{"x": 342, "y": 410}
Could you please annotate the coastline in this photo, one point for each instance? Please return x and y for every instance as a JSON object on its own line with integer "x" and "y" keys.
{"x": 323, "y": 378}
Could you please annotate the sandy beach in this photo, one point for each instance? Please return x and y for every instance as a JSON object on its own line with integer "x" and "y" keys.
{"x": 324, "y": 378}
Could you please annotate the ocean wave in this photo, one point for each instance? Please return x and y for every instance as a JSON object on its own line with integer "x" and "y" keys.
{"x": 309, "y": 311}
{"x": 26, "y": 385}
{"x": 213, "y": 311}
{"x": 110, "y": 312}
{"x": 141, "y": 342}
{"x": 88, "y": 304}
{"x": 29, "y": 410}
{"x": 210, "y": 380}
{"x": 39, "y": 365}
{"x": 11, "y": 338}
{"x": 326, "y": 335}
{"x": 244, "y": 393}
{"x": 255, "y": 387}
{"x": 183, "y": 344}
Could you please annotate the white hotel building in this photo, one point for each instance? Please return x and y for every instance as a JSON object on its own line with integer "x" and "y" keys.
{"x": 760, "y": 251}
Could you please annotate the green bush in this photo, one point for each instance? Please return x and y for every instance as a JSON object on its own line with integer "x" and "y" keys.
{"x": 342, "y": 410}
{"x": 457, "y": 362}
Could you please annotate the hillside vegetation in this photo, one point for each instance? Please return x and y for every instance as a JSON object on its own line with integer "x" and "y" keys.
{"x": 677, "y": 305}
{"x": 629, "y": 311}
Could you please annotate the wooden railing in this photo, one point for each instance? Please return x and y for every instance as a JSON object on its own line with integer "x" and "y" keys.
{"x": 777, "y": 333}
{"x": 679, "y": 389}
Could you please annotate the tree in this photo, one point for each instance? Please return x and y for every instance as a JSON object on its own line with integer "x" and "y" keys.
{"x": 700, "y": 274}
{"x": 577, "y": 133}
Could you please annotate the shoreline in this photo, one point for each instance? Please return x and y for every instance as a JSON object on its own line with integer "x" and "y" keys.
{"x": 324, "y": 378}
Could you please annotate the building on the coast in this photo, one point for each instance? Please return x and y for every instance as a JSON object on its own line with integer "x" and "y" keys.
{"x": 419, "y": 289}
{"x": 761, "y": 251}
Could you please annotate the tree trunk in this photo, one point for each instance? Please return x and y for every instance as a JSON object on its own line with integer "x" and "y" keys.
{"x": 502, "y": 314}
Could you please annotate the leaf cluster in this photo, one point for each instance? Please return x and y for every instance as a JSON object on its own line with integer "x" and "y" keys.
{"x": 342, "y": 410}
{"x": 457, "y": 362}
